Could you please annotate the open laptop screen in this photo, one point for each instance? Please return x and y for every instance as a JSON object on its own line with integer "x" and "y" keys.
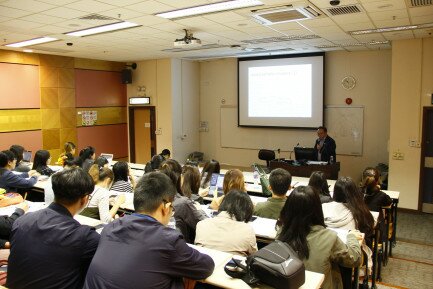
{"x": 27, "y": 156}
{"x": 109, "y": 157}
{"x": 216, "y": 184}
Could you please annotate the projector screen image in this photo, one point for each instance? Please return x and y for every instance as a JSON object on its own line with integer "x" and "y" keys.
{"x": 281, "y": 92}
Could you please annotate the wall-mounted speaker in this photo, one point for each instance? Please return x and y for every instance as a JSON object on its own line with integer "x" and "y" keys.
{"x": 126, "y": 76}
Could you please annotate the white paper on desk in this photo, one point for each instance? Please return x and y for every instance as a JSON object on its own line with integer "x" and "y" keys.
{"x": 33, "y": 207}
{"x": 218, "y": 257}
{"x": 264, "y": 227}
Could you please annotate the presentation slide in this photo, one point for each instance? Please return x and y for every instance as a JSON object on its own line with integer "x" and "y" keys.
{"x": 281, "y": 92}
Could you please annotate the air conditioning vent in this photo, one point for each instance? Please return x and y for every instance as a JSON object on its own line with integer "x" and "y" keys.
{"x": 288, "y": 13}
{"x": 280, "y": 39}
{"x": 343, "y": 10}
{"x": 419, "y": 3}
{"x": 97, "y": 17}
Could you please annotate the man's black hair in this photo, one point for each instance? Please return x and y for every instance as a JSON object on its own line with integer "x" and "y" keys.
{"x": 280, "y": 181}
{"x": 153, "y": 189}
{"x": 71, "y": 185}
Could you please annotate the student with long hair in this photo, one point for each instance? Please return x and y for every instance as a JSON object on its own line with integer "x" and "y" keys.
{"x": 68, "y": 153}
{"x": 99, "y": 201}
{"x": 87, "y": 157}
{"x": 186, "y": 214}
{"x": 10, "y": 181}
{"x": 233, "y": 180}
{"x": 303, "y": 228}
{"x": 210, "y": 167}
{"x": 320, "y": 184}
{"x": 370, "y": 186}
{"x": 348, "y": 210}
{"x": 41, "y": 161}
{"x": 190, "y": 182}
{"x": 18, "y": 152}
{"x": 229, "y": 231}
{"x": 122, "y": 176}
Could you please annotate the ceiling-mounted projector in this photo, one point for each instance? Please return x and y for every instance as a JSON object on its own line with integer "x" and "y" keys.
{"x": 188, "y": 40}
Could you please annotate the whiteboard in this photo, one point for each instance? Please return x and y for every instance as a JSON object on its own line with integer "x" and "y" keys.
{"x": 344, "y": 132}
{"x": 345, "y": 125}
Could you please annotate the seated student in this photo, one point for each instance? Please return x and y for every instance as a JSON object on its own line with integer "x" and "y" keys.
{"x": 7, "y": 222}
{"x": 348, "y": 210}
{"x": 68, "y": 154}
{"x": 99, "y": 201}
{"x": 186, "y": 213}
{"x": 166, "y": 154}
{"x": 190, "y": 183}
{"x": 321, "y": 250}
{"x": 18, "y": 152}
{"x": 140, "y": 251}
{"x": 370, "y": 186}
{"x": 122, "y": 174}
{"x": 87, "y": 157}
{"x": 154, "y": 164}
{"x": 320, "y": 184}
{"x": 229, "y": 231}
{"x": 41, "y": 161}
{"x": 49, "y": 248}
{"x": 210, "y": 167}
{"x": 102, "y": 162}
{"x": 48, "y": 189}
{"x": 233, "y": 180}
{"x": 10, "y": 181}
{"x": 279, "y": 181}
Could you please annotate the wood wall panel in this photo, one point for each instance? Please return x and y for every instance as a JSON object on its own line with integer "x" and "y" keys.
{"x": 106, "y": 115}
{"x": 66, "y": 97}
{"x": 99, "y": 88}
{"x": 19, "y": 86}
{"x": 93, "y": 64}
{"x": 68, "y": 134}
{"x": 30, "y": 140}
{"x": 50, "y": 118}
{"x": 66, "y": 78}
{"x": 20, "y": 119}
{"x": 49, "y": 76}
{"x": 68, "y": 118}
{"x": 49, "y": 97}
{"x": 10, "y": 56}
{"x": 106, "y": 139}
{"x": 51, "y": 139}
{"x": 56, "y": 61}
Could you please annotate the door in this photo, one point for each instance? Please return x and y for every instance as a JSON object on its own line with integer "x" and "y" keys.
{"x": 142, "y": 134}
{"x": 426, "y": 182}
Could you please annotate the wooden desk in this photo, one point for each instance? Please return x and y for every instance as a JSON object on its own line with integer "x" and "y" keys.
{"x": 331, "y": 170}
{"x": 220, "y": 279}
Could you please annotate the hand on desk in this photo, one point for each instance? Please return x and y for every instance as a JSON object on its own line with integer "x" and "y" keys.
{"x": 34, "y": 173}
{"x": 23, "y": 206}
{"x": 203, "y": 192}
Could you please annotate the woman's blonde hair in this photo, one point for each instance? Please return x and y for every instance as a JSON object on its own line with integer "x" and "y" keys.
{"x": 233, "y": 180}
{"x": 69, "y": 146}
{"x": 99, "y": 174}
{"x": 370, "y": 180}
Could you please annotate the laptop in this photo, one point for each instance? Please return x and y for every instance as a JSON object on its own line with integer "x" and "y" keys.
{"x": 216, "y": 184}
{"x": 109, "y": 157}
{"x": 27, "y": 156}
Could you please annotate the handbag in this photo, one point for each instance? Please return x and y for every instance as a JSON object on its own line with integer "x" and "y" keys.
{"x": 276, "y": 265}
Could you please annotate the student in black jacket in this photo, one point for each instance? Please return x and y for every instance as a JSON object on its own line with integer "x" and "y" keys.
{"x": 7, "y": 222}
{"x": 373, "y": 196}
{"x": 11, "y": 181}
{"x": 49, "y": 248}
{"x": 18, "y": 152}
{"x": 41, "y": 161}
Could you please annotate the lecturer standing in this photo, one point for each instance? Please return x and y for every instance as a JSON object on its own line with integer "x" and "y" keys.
{"x": 325, "y": 145}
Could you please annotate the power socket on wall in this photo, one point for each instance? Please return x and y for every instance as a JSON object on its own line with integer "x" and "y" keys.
{"x": 158, "y": 131}
{"x": 398, "y": 155}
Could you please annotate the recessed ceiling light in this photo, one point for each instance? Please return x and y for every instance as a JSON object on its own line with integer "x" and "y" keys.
{"x": 103, "y": 29}
{"x": 209, "y": 8}
{"x": 390, "y": 29}
{"x": 28, "y": 50}
{"x": 32, "y": 42}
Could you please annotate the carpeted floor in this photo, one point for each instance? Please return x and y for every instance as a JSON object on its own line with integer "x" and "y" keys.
{"x": 412, "y": 263}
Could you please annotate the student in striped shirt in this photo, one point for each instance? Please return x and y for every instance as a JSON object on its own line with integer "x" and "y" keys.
{"x": 122, "y": 174}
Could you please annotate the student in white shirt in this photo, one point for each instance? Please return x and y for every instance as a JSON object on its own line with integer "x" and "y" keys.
{"x": 99, "y": 204}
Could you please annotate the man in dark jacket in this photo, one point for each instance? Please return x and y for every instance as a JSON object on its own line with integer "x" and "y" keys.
{"x": 325, "y": 145}
{"x": 49, "y": 248}
{"x": 140, "y": 251}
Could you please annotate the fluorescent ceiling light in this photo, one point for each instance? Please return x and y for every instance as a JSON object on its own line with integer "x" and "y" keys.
{"x": 32, "y": 42}
{"x": 209, "y": 8}
{"x": 391, "y": 29}
{"x": 28, "y": 50}
{"x": 102, "y": 29}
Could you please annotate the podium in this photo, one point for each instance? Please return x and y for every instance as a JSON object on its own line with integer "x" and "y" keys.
{"x": 330, "y": 170}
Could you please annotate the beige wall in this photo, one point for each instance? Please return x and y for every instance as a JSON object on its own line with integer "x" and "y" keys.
{"x": 412, "y": 85}
{"x": 218, "y": 81}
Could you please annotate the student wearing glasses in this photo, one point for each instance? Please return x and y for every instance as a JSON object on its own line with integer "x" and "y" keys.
{"x": 147, "y": 253}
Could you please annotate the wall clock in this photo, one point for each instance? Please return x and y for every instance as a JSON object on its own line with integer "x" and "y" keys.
{"x": 348, "y": 82}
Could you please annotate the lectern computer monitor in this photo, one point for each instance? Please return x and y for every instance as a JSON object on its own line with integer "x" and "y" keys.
{"x": 305, "y": 154}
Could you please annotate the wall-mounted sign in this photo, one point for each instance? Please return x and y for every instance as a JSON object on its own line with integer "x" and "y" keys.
{"x": 139, "y": 100}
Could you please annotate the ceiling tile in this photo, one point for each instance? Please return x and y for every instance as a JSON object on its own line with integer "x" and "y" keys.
{"x": 65, "y": 12}
{"x": 12, "y": 12}
{"x": 57, "y": 2}
{"x": 286, "y": 26}
{"x": 121, "y": 13}
{"x": 384, "y": 5}
{"x": 49, "y": 29}
{"x": 389, "y": 15}
{"x": 318, "y": 22}
{"x": 170, "y": 27}
{"x": 357, "y": 26}
{"x": 351, "y": 18}
{"x": 120, "y": 3}
{"x": 150, "y": 7}
{"x": 423, "y": 33}
{"x": 225, "y": 17}
{"x": 398, "y": 35}
{"x": 148, "y": 20}
{"x": 392, "y": 23}
{"x": 422, "y": 19}
{"x": 369, "y": 37}
{"x": 195, "y": 22}
{"x": 422, "y": 11}
{"x": 28, "y": 5}
{"x": 185, "y": 3}
{"x": 90, "y": 6}
{"x": 17, "y": 23}
{"x": 44, "y": 19}
{"x": 144, "y": 30}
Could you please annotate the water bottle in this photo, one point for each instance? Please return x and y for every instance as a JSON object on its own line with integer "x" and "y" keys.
{"x": 331, "y": 160}
{"x": 256, "y": 177}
